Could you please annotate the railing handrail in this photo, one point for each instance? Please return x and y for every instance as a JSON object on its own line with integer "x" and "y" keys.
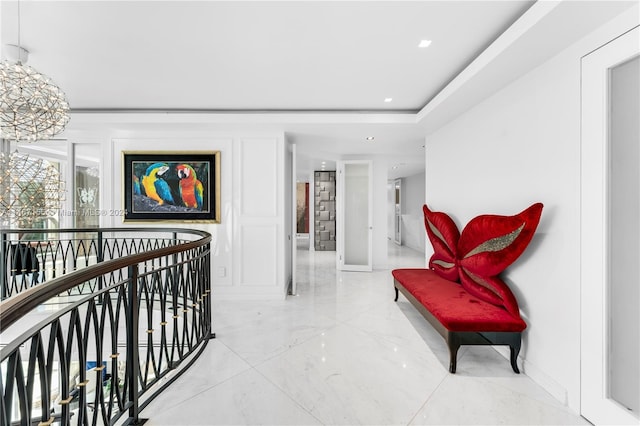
{"x": 47, "y": 367}
{"x": 14, "y": 308}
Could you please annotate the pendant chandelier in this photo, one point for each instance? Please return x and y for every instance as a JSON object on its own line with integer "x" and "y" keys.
{"x": 31, "y": 106}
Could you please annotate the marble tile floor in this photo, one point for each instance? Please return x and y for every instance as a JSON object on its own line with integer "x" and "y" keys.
{"x": 342, "y": 352}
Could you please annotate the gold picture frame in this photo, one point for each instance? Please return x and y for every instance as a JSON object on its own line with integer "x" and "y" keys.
{"x": 171, "y": 186}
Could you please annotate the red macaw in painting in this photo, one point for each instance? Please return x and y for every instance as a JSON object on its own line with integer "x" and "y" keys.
{"x": 191, "y": 188}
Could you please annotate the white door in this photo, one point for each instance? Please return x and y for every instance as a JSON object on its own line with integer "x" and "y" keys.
{"x": 294, "y": 223}
{"x": 610, "y": 232}
{"x": 354, "y": 215}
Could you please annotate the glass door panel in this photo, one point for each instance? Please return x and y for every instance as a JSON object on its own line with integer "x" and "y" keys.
{"x": 86, "y": 191}
{"x": 354, "y": 205}
{"x": 624, "y": 236}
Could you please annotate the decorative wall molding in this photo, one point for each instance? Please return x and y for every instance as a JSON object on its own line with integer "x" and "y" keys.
{"x": 258, "y": 177}
{"x": 258, "y": 259}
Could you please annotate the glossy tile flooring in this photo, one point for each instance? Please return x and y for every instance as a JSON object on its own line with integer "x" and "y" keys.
{"x": 342, "y": 352}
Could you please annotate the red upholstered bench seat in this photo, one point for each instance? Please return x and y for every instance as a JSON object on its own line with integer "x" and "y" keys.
{"x": 458, "y": 316}
{"x": 453, "y": 307}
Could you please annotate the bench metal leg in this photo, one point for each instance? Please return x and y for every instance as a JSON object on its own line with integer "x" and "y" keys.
{"x": 515, "y": 350}
{"x": 453, "y": 356}
{"x": 455, "y": 339}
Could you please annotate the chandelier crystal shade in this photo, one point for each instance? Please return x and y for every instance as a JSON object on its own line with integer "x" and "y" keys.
{"x": 30, "y": 188}
{"x": 31, "y": 106}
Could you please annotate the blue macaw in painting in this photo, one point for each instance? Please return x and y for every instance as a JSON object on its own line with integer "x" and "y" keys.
{"x": 191, "y": 188}
{"x": 155, "y": 188}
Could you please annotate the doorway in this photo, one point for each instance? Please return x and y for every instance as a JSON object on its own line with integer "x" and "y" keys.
{"x": 610, "y": 233}
{"x": 354, "y": 211}
{"x": 397, "y": 212}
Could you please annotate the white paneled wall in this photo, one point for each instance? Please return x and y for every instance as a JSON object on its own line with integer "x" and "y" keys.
{"x": 259, "y": 234}
{"x": 248, "y": 259}
{"x": 258, "y": 260}
{"x": 257, "y": 168}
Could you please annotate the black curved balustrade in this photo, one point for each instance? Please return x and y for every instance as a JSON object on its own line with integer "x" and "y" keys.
{"x": 94, "y": 323}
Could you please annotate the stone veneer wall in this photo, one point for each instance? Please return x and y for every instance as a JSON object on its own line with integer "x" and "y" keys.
{"x": 325, "y": 211}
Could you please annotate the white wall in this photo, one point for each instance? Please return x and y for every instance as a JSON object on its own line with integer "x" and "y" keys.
{"x": 518, "y": 147}
{"x": 413, "y": 193}
{"x": 259, "y": 213}
{"x": 380, "y": 251}
{"x": 249, "y": 245}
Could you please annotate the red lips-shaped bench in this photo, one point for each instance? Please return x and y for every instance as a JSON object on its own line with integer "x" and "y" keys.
{"x": 461, "y": 294}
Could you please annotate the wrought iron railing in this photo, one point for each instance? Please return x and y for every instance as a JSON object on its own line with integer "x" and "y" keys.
{"x": 94, "y": 323}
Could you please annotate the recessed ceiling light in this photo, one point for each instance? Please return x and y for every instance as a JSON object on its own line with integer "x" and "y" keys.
{"x": 388, "y": 99}
{"x": 424, "y": 43}
{"x": 370, "y": 138}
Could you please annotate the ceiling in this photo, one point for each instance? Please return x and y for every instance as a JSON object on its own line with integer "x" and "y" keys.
{"x": 318, "y": 70}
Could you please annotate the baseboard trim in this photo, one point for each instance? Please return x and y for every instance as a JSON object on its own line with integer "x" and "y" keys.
{"x": 544, "y": 380}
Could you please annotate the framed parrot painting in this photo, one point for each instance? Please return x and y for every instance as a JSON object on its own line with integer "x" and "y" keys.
{"x": 171, "y": 186}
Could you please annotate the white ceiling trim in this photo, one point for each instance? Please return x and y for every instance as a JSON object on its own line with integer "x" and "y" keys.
{"x": 546, "y": 29}
{"x": 524, "y": 24}
{"x": 204, "y": 117}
